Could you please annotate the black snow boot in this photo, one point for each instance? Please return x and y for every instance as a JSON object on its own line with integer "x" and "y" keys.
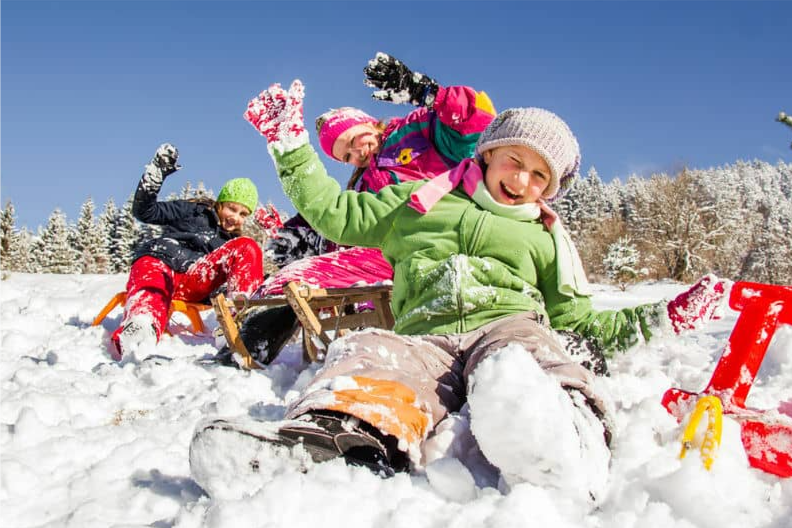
{"x": 326, "y": 435}
{"x": 264, "y": 332}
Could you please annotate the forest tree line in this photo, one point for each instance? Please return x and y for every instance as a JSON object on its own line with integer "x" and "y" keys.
{"x": 735, "y": 221}
{"x": 103, "y": 243}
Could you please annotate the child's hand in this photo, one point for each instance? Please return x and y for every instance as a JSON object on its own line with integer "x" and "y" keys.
{"x": 397, "y": 83}
{"x": 269, "y": 220}
{"x": 278, "y": 116}
{"x": 165, "y": 159}
{"x": 702, "y": 303}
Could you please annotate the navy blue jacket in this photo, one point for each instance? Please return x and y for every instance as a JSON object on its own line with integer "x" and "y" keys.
{"x": 191, "y": 229}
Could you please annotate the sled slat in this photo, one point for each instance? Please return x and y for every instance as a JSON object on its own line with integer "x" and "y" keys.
{"x": 321, "y": 312}
{"x": 231, "y": 331}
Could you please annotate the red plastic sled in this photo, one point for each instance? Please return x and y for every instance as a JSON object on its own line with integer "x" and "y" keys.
{"x": 766, "y": 435}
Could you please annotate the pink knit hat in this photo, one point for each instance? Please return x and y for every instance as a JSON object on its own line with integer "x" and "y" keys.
{"x": 335, "y": 122}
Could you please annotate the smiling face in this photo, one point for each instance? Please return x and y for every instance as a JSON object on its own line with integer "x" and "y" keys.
{"x": 357, "y": 144}
{"x": 515, "y": 174}
{"x": 232, "y": 216}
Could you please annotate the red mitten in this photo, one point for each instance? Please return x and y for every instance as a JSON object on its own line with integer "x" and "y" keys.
{"x": 269, "y": 219}
{"x": 702, "y": 303}
{"x": 278, "y": 116}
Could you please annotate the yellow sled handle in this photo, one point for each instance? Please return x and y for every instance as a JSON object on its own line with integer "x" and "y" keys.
{"x": 712, "y": 437}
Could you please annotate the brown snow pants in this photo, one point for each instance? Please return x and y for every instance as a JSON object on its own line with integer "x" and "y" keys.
{"x": 404, "y": 385}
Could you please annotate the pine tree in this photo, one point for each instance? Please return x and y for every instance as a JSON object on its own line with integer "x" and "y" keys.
{"x": 21, "y": 258}
{"x": 53, "y": 248}
{"x": 595, "y": 206}
{"x": 568, "y": 208}
{"x": 621, "y": 262}
{"x": 188, "y": 192}
{"x": 8, "y": 235}
{"x": 108, "y": 227}
{"x": 90, "y": 242}
{"x": 127, "y": 236}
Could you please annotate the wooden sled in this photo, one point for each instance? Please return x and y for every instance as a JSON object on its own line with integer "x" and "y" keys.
{"x": 324, "y": 313}
{"x": 190, "y": 309}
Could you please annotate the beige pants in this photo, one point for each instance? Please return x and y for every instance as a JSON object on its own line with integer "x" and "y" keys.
{"x": 404, "y": 385}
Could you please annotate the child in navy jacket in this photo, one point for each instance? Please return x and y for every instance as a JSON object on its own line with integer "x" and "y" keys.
{"x": 199, "y": 251}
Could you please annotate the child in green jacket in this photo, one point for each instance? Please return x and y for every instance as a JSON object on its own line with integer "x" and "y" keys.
{"x": 483, "y": 273}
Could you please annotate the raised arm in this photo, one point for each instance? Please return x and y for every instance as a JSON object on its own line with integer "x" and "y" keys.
{"x": 145, "y": 206}
{"x": 352, "y": 218}
{"x": 462, "y": 112}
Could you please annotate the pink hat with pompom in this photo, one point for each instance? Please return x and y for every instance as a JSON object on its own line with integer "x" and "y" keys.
{"x": 335, "y": 122}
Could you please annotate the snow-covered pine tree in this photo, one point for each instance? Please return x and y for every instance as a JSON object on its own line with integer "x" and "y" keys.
{"x": 188, "y": 192}
{"x": 8, "y": 235}
{"x": 621, "y": 262}
{"x": 108, "y": 226}
{"x": 595, "y": 204}
{"x": 21, "y": 258}
{"x": 127, "y": 237}
{"x": 567, "y": 207}
{"x": 90, "y": 241}
{"x": 53, "y": 249}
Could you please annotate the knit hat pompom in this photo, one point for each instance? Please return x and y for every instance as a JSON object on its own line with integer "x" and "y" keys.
{"x": 239, "y": 190}
{"x": 335, "y": 122}
{"x": 542, "y": 131}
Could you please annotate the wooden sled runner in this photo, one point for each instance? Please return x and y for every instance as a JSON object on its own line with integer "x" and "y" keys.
{"x": 324, "y": 313}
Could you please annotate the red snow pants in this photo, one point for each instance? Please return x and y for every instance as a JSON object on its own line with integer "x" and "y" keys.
{"x": 152, "y": 284}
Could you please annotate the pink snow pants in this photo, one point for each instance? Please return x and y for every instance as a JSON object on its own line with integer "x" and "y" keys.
{"x": 152, "y": 284}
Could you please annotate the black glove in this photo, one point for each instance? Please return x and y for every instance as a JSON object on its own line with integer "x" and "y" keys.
{"x": 397, "y": 83}
{"x": 295, "y": 243}
{"x": 165, "y": 159}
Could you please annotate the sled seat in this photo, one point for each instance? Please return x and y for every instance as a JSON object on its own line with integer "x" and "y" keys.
{"x": 324, "y": 313}
{"x": 190, "y": 309}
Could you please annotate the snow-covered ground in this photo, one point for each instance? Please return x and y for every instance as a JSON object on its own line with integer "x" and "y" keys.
{"x": 87, "y": 442}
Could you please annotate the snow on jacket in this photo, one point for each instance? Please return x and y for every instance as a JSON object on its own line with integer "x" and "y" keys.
{"x": 427, "y": 142}
{"x": 191, "y": 229}
{"x": 458, "y": 266}
{"x": 424, "y": 143}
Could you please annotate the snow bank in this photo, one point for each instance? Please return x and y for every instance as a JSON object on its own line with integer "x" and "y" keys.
{"x": 88, "y": 442}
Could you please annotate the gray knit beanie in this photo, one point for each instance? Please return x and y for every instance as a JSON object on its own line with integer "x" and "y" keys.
{"x": 542, "y": 131}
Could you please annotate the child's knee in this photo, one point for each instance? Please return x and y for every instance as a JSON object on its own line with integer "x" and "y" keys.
{"x": 245, "y": 245}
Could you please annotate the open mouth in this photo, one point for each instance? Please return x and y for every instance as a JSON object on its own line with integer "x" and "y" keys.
{"x": 509, "y": 193}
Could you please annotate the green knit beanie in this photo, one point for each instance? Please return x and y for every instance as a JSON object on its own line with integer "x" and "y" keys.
{"x": 239, "y": 190}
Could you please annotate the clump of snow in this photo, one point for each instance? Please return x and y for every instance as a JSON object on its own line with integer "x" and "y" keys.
{"x": 86, "y": 441}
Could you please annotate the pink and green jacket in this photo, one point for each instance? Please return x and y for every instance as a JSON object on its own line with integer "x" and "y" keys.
{"x": 427, "y": 142}
{"x": 456, "y": 267}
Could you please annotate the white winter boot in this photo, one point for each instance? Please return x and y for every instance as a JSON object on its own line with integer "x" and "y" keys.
{"x": 138, "y": 333}
{"x": 529, "y": 427}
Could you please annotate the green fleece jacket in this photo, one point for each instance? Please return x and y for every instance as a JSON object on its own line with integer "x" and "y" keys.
{"x": 458, "y": 266}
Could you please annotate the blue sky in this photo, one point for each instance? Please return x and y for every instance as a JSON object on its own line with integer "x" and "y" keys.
{"x": 90, "y": 89}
